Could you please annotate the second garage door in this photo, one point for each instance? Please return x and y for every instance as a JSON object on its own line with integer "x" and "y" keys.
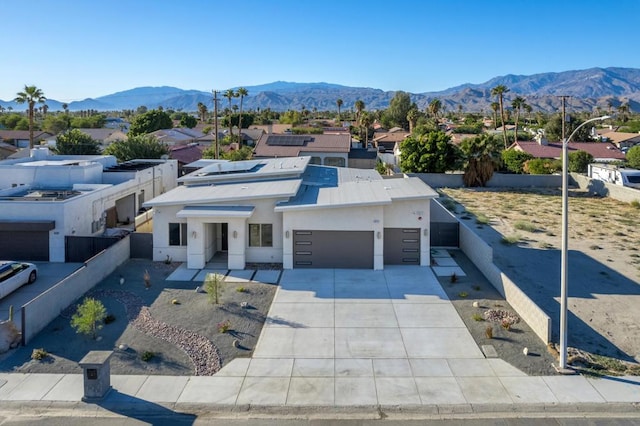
{"x": 333, "y": 249}
{"x": 401, "y": 246}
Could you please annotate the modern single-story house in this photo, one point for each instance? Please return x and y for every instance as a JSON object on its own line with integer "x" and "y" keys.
{"x": 289, "y": 211}
{"x": 20, "y": 138}
{"x": 46, "y": 198}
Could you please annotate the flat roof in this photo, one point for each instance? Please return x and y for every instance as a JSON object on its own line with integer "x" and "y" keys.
{"x": 216, "y": 211}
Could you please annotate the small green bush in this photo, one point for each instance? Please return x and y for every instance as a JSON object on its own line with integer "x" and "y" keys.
{"x": 482, "y": 219}
{"x": 212, "y": 287}
{"x": 523, "y": 225}
{"x": 477, "y": 317}
{"x": 510, "y": 239}
{"x": 89, "y": 317}
{"x": 147, "y": 356}
{"x": 39, "y": 354}
{"x": 463, "y": 294}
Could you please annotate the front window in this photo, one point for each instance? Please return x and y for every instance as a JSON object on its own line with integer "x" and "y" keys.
{"x": 260, "y": 235}
{"x": 177, "y": 234}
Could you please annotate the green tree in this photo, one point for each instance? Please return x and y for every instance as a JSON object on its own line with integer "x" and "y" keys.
{"x": 481, "y": 158}
{"x": 188, "y": 121}
{"x": 95, "y": 121}
{"x": 434, "y": 108}
{"x": 495, "y": 107}
{"x": 137, "y": 147}
{"x": 339, "y": 103}
{"x": 579, "y": 161}
{"x": 517, "y": 104}
{"x": 412, "y": 118}
{"x": 542, "y": 166}
{"x": 202, "y": 111}
{"x": 150, "y": 121}
{"x": 55, "y": 123}
{"x": 31, "y": 95}
{"x": 76, "y": 142}
{"x": 514, "y": 160}
{"x": 230, "y": 94}
{"x": 365, "y": 121}
{"x": 431, "y": 152}
{"x": 359, "y": 108}
{"x": 89, "y": 316}
{"x": 241, "y": 93}
{"x": 633, "y": 157}
{"x": 500, "y": 91}
{"x": 396, "y": 114}
{"x": 244, "y": 153}
{"x": 553, "y": 129}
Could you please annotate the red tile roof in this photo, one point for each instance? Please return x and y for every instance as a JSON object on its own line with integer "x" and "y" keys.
{"x": 603, "y": 151}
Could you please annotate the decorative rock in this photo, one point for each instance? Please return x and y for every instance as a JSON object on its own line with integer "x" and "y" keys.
{"x": 244, "y": 305}
{"x": 236, "y": 343}
{"x": 476, "y": 304}
{"x": 525, "y": 351}
{"x": 199, "y": 289}
{"x": 123, "y": 346}
{"x": 121, "y": 280}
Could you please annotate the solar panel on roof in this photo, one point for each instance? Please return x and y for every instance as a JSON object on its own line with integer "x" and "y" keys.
{"x": 287, "y": 140}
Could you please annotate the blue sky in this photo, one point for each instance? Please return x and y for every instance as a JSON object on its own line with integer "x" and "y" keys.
{"x": 76, "y": 49}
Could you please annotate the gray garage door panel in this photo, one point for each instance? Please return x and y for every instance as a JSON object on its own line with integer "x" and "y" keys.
{"x": 333, "y": 249}
{"x": 23, "y": 245}
{"x": 401, "y": 246}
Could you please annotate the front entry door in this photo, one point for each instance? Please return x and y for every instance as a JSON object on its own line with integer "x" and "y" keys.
{"x": 224, "y": 236}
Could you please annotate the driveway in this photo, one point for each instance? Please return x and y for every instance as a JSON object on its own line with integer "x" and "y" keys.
{"x": 48, "y": 275}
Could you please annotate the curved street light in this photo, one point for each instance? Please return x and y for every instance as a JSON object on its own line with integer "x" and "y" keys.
{"x": 565, "y": 244}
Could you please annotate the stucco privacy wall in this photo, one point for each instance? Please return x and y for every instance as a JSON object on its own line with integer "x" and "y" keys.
{"x": 40, "y": 311}
{"x": 595, "y": 186}
{"x": 481, "y": 254}
{"x": 499, "y": 180}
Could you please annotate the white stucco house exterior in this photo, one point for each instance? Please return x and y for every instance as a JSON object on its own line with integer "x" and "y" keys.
{"x": 45, "y": 198}
{"x": 289, "y": 211}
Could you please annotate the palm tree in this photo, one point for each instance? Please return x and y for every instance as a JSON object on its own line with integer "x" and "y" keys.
{"x": 31, "y": 95}
{"x": 242, "y": 92}
{"x": 359, "y": 108}
{"x": 202, "y": 111}
{"x": 528, "y": 110}
{"x": 499, "y": 91}
{"x": 434, "y": 108}
{"x": 518, "y": 103}
{"x": 365, "y": 121}
{"x": 495, "y": 107}
{"x": 412, "y": 117}
{"x": 230, "y": 94}
{"x": 482, "y": 157}
{"x": 623, "y": 109}
{"x": 339, "y": 104}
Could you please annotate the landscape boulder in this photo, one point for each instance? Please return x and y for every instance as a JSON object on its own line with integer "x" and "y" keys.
{"x": 9, "y": 336}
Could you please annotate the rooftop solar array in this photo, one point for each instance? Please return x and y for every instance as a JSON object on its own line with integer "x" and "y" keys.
{"x": 288, "y": 140}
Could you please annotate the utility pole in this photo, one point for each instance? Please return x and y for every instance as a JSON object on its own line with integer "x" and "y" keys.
{"x": 215, "y": 120}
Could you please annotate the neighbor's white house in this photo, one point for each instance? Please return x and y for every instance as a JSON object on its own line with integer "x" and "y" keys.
{"x": 289, "y": 211}
{"x": 46, "y": 198}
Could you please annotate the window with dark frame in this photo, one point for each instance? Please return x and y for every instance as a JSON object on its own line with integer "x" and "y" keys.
{"x": 177, "y": 234}
{"x": 260, "y": 235}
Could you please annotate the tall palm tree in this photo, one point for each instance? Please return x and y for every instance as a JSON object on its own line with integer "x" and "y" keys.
{"x": 412, "y": 117}
{"x": 230, "y": 94}
{"x": 339, "y": 104}
{"x": 242, "y": 92}
{"x": 31, "y": 95}
{"x": 365, "y": 121}
{"x": 359, "y": 108}
{"x": 202, "y": 110}
{"x": 517, "y": 104}
{"x": 434, "y": 108}
{"x": 495, "y": 107}
{"x": 500, "y": 91}
{"x": 528, "y": 110}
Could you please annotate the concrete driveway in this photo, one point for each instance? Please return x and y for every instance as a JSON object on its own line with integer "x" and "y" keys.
{"x": 48, "y": 275}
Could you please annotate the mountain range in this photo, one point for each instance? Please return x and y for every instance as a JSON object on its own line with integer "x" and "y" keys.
{"x": 590, "y": 89}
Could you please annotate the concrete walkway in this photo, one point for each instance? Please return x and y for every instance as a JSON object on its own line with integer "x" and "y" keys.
{"x": 354, "y": 338}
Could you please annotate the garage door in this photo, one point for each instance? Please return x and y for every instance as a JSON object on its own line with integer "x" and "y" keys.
{"x": 402, "y": 246}
{"x": 22, "y": 245}
{"x": 333, "y": 249}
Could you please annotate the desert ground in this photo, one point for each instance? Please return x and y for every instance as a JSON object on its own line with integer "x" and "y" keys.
{"x": 524, "y": 229}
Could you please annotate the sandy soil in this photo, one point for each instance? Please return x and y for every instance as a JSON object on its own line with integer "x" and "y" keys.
{"x": 604, "y": 259}
{"x": 194, "y": 312}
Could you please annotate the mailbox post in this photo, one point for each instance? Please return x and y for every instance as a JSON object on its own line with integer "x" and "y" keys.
{"x": 96, "y": 371}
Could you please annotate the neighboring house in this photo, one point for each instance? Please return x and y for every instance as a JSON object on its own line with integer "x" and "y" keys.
{"x": 176, "y": 136}
{"x": 328, "y": 150}
{"x": 386, "y": 141}
{"x": 602, "y": 152}
{"x": 250, "y": 137}
{"x": 20, "y": 138}
{"x": 289, "y": 211}
{"x": 272, "y": 128}
{"x": 622, "y": 140}
{"x": 186, "y": 154}
{"x": 7, "y": 150}
{"x": 45, "y": 198}
{"x": 105, "y": 136}
{"x": 361, "y": 158}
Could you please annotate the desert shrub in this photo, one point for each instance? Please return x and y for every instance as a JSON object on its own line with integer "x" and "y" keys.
{"x": 542, "y": 166}
{"x": 89, "y": 317}
{"x": 523, "y": 225}
{"x": 510, "y": 239}
{"x": 477, "y": 317}
{"x": 224, "y": 326}
{"x": 147, "y": 356}
{"x": 482, "y": 219}
{"x": 212, "y": 287}
{"x": 579, "y": 161}
{"x": 39, "y": 354}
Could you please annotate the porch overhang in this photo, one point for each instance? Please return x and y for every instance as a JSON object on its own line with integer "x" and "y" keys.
{"x": 244, "y": 212}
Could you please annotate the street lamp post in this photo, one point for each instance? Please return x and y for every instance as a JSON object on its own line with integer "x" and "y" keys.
{"x": 565, "y": 243}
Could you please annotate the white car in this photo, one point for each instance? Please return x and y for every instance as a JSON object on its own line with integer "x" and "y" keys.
{"x": 14, "y": 275}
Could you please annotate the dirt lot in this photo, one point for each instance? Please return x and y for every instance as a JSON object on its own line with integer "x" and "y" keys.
{"x": 524, "y": 229}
